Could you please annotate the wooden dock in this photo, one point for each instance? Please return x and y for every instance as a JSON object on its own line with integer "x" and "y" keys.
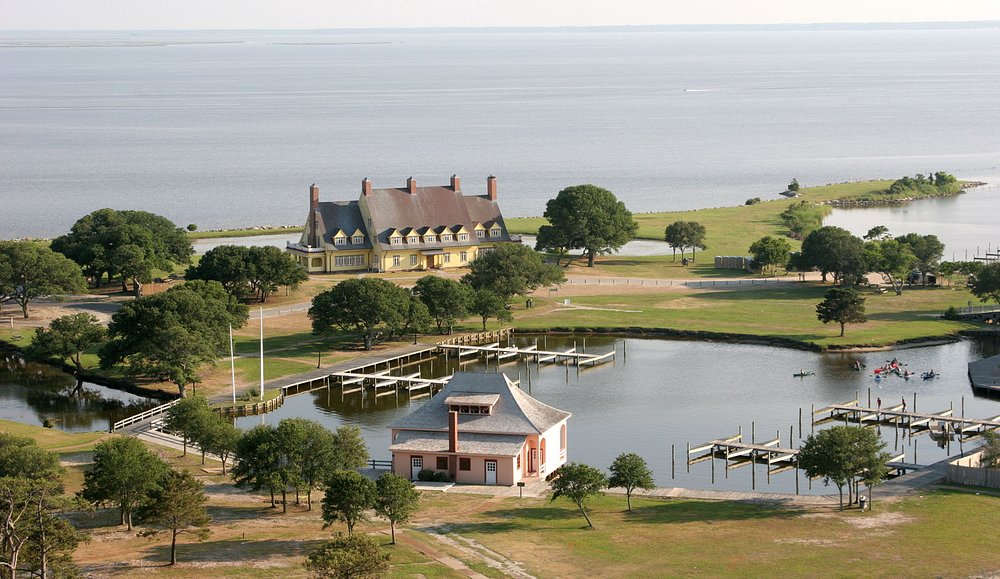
{"x": 530, "y": 353}
{"x": 916, "y": 422}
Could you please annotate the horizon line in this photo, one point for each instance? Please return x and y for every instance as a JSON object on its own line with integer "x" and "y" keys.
{"x": 576, "y": 27}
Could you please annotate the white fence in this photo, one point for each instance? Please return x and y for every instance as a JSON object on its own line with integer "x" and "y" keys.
{"x": 143, "y": 415}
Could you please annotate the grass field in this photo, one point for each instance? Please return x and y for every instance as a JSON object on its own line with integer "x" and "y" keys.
{"x": 786, "y": 311}
{"x": 245, "y": 232}
{"x": 731, "y": 230}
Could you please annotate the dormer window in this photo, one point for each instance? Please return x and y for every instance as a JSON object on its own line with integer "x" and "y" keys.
{"x": 469, "y": 403}
{"x": 463, "y": 236}
{"x": 470, "y": 409}
{"x": 358, "y": 239}
{"x": 340, "y": 241}
{"x": 395, "y": 241}
{"x": 481, "y": 233}
{"x": 430, "y": 238}
{"x": 413, "y": 239}
{"x": 495, "y": 232}
{"x": 446, "y": 237}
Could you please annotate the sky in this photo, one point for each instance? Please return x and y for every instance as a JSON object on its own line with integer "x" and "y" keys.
{"x": 310, "y": 14}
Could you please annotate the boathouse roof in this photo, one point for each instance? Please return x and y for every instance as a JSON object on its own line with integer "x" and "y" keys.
{"x": 514, "y": 412}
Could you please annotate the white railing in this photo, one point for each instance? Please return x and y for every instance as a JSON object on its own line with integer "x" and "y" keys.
{"x": 143, "y": 415}
{"x": 978, "y": 309}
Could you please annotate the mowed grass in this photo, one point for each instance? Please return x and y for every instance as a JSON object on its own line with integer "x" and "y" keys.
{"x": 52, "y": 439}
{"x": 731, "y": 230}
{"x": 942, "y": 533}
{"x": 786, "y": 311}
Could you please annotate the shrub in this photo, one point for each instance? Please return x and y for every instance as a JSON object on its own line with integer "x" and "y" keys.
{"x": 192, "y": 227}
{"x": 752, "y": 201}
{"x": 951, "y": 313}
{"x": 441, "y": 476}
{"x": 426, "y": 475}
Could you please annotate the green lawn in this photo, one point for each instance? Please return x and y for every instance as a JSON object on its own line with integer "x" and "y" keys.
{"x": 942, "y": 533}
{"x": 730, "y": 230}
{"x": 786, "y": 311}
{"x": 242, "y": 232}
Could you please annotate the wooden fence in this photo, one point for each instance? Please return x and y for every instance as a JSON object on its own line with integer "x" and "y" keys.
{"x": 480, "y": 338}
{"x": 252, "y": 408}
{"x": 966, "y": 471}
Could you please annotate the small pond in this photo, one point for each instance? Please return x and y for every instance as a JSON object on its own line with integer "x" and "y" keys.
{"x": 31, "y": 393}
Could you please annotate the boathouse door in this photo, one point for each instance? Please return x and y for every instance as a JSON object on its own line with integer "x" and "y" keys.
{"x": 491, "y": 472}
{"x": 416, "y": 465}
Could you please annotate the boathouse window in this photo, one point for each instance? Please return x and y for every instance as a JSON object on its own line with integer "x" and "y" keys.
{"x": 358, "y": 239}
{"x": 463, "y": 409}
{"x": 465, "y": 464}
{"x": 519, "y": 461}
{"x": 442, "y": 463}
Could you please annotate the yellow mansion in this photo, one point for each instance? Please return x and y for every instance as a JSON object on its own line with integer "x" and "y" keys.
{"x": 411, "y": 228}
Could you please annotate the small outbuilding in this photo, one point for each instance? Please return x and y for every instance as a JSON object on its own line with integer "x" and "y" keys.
{"x": 480, "y": 429}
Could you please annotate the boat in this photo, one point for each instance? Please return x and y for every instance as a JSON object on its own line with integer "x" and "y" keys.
{"x": 801, "y": 374}
{"x": 929, "y": 375}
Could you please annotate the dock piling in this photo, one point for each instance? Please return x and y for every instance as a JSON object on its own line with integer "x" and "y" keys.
{"x": 673, "y": 462}
{"x": 689, "y": 458}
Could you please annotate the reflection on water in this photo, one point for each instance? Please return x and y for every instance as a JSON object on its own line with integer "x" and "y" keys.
{"x": 662, "y": 393}
{"x": 31, "y": 393}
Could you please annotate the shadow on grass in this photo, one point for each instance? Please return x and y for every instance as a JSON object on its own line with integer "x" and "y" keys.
{"x": 754, "y": 292}
{"x": 227, "y": 550}
{"x": 667, "y": 512}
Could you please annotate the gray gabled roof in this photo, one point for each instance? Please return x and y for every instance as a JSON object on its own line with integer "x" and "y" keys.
{"x": 514, "y": 412}
{"x": 337, "y": 215}
{"x": 439, "y": 208}
{"x": 468, "y": 443}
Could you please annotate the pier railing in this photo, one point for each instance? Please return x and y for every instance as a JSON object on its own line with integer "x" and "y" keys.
{"x": 161, "y": 409}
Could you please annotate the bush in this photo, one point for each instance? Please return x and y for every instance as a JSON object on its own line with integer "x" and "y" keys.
{"x": 752, "y": 201}
{"x": 192, "y": 227}
{"x": 951, "y": 313}
{"x": 426, "y": 475}
{"x": 441, "y": 476}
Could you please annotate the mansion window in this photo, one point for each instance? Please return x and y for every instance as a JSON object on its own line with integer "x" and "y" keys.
{"x": 481, "y": 233}
{"x": 340, "y": 241}
{"x": 463, "y": 236}
{"x": 348, "y": 260}
{"x": 447, "y": 258}
{"x": 413, "y": 239}
{"x": 463, "y": 256}
{"x": 429, "y": 239}
{"x": 495, "y": 232}
{"x": 358, "y": 239}
{"x": 446, "y": 237}
{"x": 395, "y": 241}
{"x": 395, "y": 260}
{"x": 413, "y": 259}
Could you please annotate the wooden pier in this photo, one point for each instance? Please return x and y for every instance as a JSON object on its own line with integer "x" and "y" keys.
{"x": 531, "y": 353}
{"x": 915, "y": 422}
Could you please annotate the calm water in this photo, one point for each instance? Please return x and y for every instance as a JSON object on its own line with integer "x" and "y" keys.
{"x": 30, "y": 393}
{"x": 968, "y": 224}
{"x": 227, "y": 134}
{"x": 675, "y": 392}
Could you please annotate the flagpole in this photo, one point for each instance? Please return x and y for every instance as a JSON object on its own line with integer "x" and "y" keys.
{"x": 262, "y": 353}
{"x": 232, "y": 361}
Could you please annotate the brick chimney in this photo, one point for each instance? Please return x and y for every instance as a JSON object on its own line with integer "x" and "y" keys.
{"x": 366, "y": 186}
{"x": 411, "y": 186}
{"x": 491, "y": 188}
{"x": 313, "y": 197}
{"x": 452, "y": 431}
{"x": 456, "y": 183}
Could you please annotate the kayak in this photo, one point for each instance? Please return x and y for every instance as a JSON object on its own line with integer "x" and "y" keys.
{"x": 801, "y": 374}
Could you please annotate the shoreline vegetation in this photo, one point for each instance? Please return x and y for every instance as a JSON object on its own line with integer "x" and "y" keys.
{"x": 720, "y": 308}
